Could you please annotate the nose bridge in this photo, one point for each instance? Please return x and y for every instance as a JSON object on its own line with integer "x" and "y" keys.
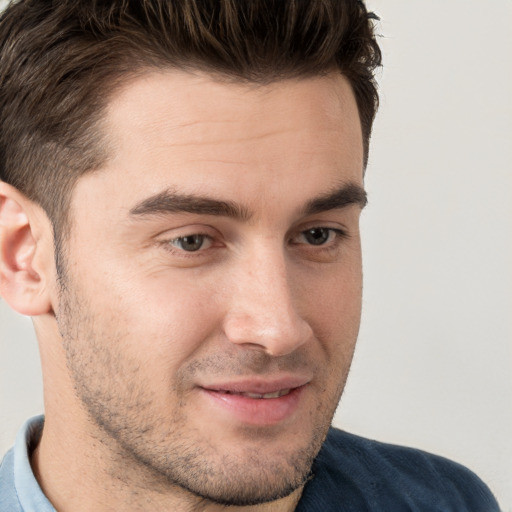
{"x": 263, "y": 308}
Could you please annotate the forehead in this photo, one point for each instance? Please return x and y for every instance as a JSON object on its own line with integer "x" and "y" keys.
{"x": 180, "y": 99}
{"x": 202, "y": 135}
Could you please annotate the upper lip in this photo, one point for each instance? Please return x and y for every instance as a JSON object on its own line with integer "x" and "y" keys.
{"x": 259, "y": 385}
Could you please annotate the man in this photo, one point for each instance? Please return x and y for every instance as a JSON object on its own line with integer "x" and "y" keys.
{"x": 179, "y": 208}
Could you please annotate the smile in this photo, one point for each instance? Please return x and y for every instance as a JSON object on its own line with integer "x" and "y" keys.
{"x": 258, "y": 403}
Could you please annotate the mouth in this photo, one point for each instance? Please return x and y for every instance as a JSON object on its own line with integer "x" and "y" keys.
{"x": 257, "y": 402}
{"x": 258, "y": 396}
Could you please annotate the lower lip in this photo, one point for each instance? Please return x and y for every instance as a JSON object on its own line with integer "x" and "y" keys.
{"x": 257, "y": 411}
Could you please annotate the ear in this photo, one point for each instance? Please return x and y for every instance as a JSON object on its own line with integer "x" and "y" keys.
{"x": 24, "y": 233}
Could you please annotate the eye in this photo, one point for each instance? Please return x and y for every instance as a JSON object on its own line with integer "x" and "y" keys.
{"x": 319, "y": 236}
{"x": 192, "y": 243}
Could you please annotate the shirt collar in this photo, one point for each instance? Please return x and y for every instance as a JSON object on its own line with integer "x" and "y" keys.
{"x": 29, "y": 493}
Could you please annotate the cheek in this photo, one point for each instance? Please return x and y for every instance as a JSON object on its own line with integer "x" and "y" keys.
{"x": 167, "y": 317}
{"x": 332, "y": 302}
{"x": 139, "y": 332}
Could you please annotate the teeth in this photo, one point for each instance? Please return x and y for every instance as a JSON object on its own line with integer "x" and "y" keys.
{"x": 276, "y": 394}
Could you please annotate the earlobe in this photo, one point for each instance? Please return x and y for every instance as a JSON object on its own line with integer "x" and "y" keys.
{"x": 22, "y": 284}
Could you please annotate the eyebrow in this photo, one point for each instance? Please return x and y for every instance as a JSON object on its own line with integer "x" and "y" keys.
{"x": 170, "y": 202}
{"x": 347, "y": 195}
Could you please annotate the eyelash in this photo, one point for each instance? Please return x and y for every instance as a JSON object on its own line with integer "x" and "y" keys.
{"x": 335, "y": 235}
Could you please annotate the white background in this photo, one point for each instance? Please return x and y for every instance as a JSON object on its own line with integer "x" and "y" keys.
{"x": 433, "y": 368}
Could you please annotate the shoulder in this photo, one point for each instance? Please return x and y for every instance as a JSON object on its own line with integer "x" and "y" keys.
{"x": 354, "y": 473}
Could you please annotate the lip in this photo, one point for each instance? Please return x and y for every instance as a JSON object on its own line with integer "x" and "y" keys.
{"x": 259, "y": 385}
{"x": 230, "y": 398}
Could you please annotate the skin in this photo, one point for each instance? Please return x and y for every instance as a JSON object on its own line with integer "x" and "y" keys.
{"x": 139, "y": 333}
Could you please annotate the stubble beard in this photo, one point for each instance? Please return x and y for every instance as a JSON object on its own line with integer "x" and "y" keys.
{"x": 168, "y": 456}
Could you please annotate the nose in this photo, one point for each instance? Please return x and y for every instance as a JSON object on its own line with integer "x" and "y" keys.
{"x": 263, "y": 312}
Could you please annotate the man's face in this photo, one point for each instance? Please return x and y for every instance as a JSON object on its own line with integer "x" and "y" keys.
{"x": 212, "y": 287}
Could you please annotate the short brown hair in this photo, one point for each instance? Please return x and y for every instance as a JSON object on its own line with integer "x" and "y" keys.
{"x": 60, "y": 62}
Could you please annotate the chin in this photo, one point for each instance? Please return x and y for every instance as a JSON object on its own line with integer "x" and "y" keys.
{"x": 245, "y": 483}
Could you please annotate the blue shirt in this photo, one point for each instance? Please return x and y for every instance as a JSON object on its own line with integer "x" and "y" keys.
{"x": 19, "y": 490}
{"x": 350, "y": 474}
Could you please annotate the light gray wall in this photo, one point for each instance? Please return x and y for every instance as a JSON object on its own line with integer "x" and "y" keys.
{"x": 433, "y": 366}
